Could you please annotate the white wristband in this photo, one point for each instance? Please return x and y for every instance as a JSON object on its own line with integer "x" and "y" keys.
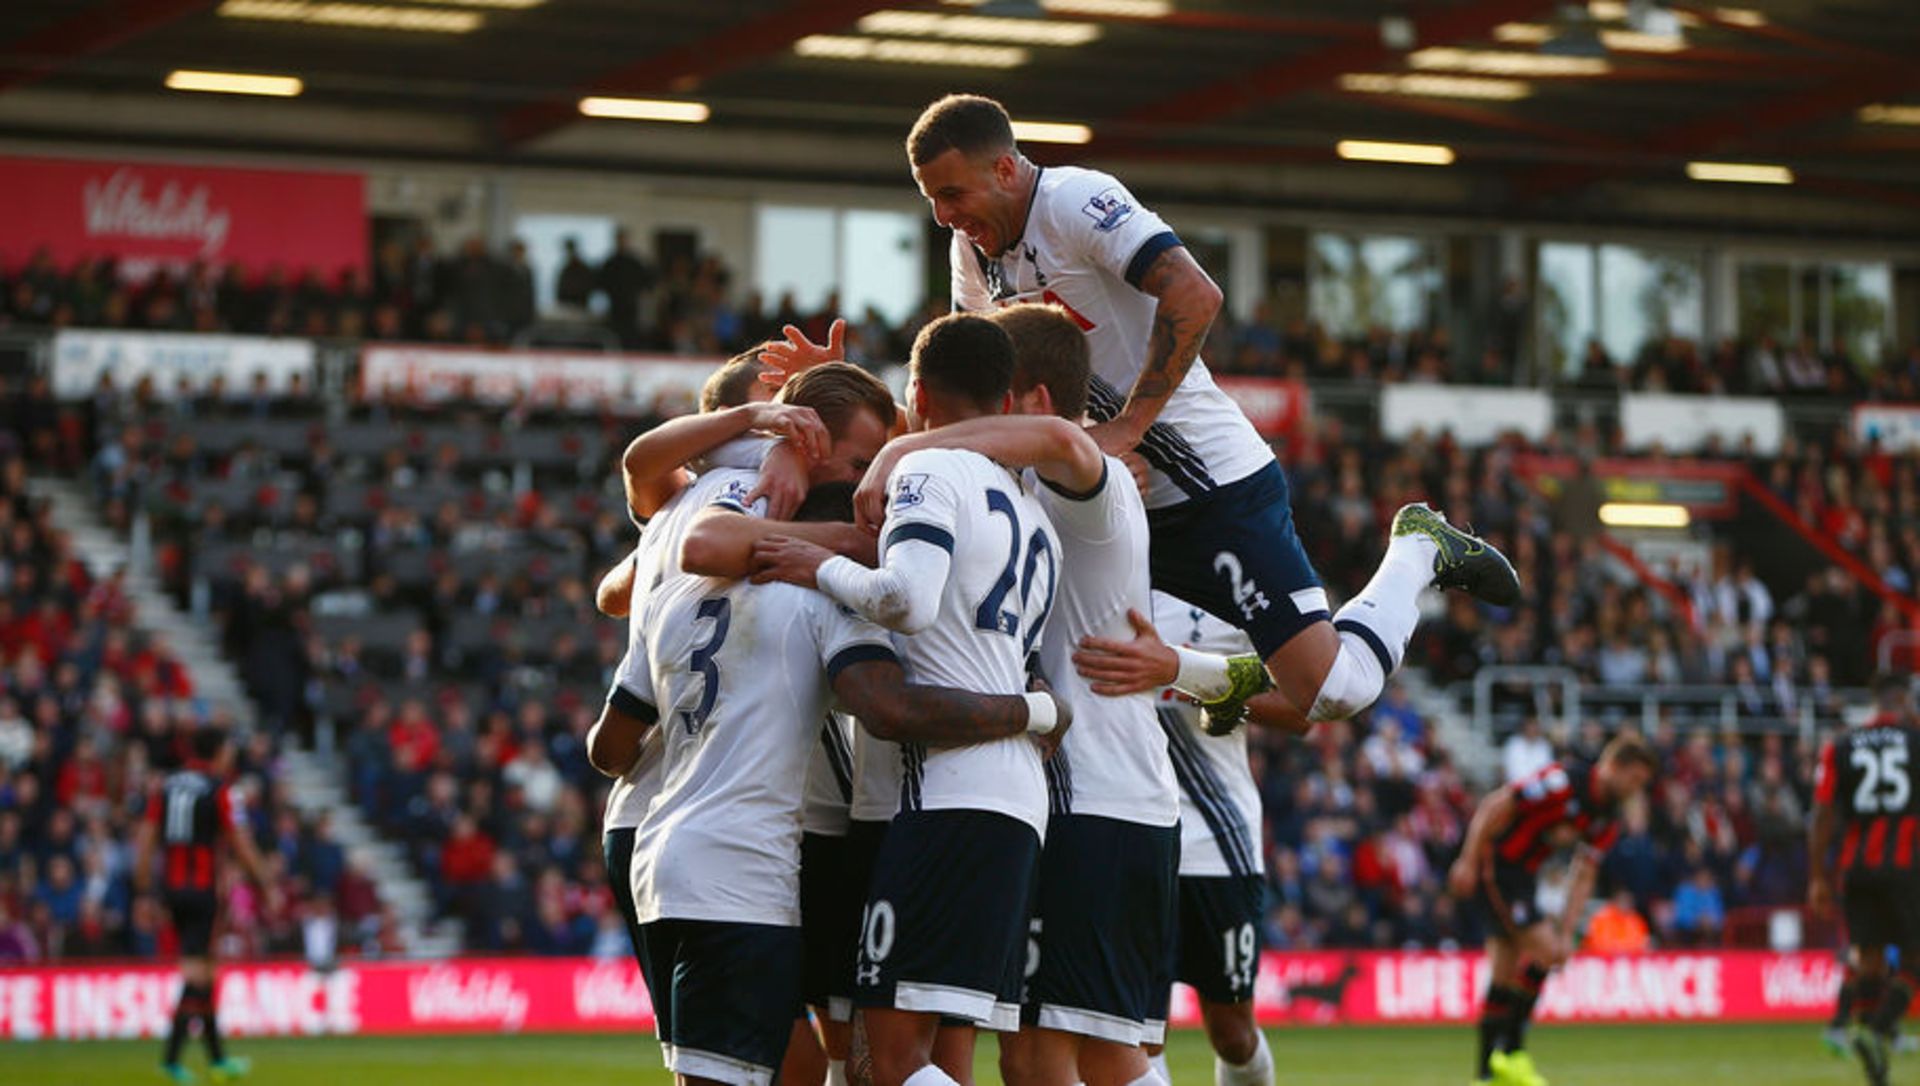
{"x": 1202, "y": 674}
{"x": 1042, "y": 713}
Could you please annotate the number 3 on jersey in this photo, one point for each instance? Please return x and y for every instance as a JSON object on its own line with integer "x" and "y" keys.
{"x": 720, "y": 610}
{"x": 993, "y": 614}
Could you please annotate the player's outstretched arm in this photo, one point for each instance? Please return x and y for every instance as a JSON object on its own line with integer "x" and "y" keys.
{"x": 877, "y": 693}
{"x": 1489, "y": 820}
{"x": 240, "y": 838}
{"x": 1060, "y": 451}
{"x": 614, "y": 594}
{"x": 653, "y": 468}
{"x": 903, "y": 595}
{"x": 721, "y": 542}
{"x": 1115, "y": 668}
{"x": 143, "y": 854}
{"x": 1189, "y": 300}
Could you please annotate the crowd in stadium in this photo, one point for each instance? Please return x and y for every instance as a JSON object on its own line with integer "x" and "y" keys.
{"x": 93, "y": 711}
{"x": 694, "y": 306}
{"x": 470, "y": 753}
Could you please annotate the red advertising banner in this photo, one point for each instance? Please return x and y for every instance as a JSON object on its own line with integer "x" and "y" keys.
{"x": 1274, "y": 405}
{"x": 150, "y": 214}
{"x": 534, "y": 995}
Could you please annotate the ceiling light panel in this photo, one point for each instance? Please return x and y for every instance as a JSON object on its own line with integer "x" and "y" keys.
{"x": 1116, "y": 9}
{"x": 1416, "y": 154}
{"x": 1505, "y": 62}
{"x": 363, "y": 16}
{"x": 271, "y": 86}
{"x": 1436, "y": 86}
{"x": 1747, "y": 173}
{"x": 1740, "y": 16}
{"x": 1890, "y": 114}
{"x": 984, "y": 28}
{"x": 645, "y": 109}
{"x": 904, "y": 51}
{"x": 1051, "y": 132}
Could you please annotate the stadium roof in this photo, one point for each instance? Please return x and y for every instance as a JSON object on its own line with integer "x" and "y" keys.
{"x": 1543, "y": 105}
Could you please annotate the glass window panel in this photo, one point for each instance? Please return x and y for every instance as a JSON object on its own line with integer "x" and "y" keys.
{"x": 1861, "y": 296}
{"x": 1647, "y": 295}
{"x": 1357, "y": 282}
{"x": 1766, "y": 301}
{"x": 884, "y": 264}
{"x": 546, "y": 237}
{"x": 1567, "y": 319}
{"x": 795, "y": 252}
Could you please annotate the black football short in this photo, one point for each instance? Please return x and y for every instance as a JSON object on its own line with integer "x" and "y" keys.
{"x": 1882, "y": 909}
{"x": 193, "y": 917}
{"x": 1507, "y": 896}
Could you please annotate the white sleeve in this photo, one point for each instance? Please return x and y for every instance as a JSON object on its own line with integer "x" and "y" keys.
{"x": 846, "y": 639}
{"x": 916, "y": 550}
{"x": 1097, "y": 515}
{"x": 1100, "y": 223}
{"x": 967, "y": 284}
{"x": 734, "y": 495}
{"x": 632, "y": 691}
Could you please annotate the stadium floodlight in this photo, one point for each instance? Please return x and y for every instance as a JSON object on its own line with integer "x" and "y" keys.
{"x": 933, "y": 24}
{"x": 1644, "y": 515}
{"x": 1051, "y": 132}
{"x": 1748, "y": 173}
{"x": 270, "y": 86}
{"x": 905, "y": 51}
{"x": 645, "y": 109}
{"x": 1415, "y": 154}
{"x": 1437, "y": 86}
{"x": 1883, "y": 113}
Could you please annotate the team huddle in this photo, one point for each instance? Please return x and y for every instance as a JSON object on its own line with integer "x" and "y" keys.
{"x": 890, "y": 736}
{"x": 900, "y": 753}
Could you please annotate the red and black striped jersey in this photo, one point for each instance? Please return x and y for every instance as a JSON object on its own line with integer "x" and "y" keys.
{"x": 1554, "y": 808}
{"x": 1866, "y": 775}
{"x": 192, "y": 813}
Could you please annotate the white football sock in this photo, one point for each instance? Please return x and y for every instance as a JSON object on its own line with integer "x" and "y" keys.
{"x": 836, "y": 1073}
{"x": 1257, "y": 1071}
{"x": 1389, "y": 606}
{"x": 930, "y": 1075}
{"x": 1159, "y": 1062}
{"x": 1151, "y": 1078}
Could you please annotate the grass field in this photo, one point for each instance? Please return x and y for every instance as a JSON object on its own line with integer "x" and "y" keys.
{"x": 1585, "y": 1056}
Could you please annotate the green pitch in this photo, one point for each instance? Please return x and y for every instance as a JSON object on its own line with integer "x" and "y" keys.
{"x": 1577, "y": 1056}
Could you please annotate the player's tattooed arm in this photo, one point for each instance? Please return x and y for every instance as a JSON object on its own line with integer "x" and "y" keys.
{"x": 888, "y": 707}
{"x": 1189, "y": 300}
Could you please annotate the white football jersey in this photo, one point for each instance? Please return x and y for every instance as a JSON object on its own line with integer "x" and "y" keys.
{"x": 1220, "y": 820}
{"x": 657, "y": 556}
{"x": 743, "y": 676}
{"x": 877, "y": 768}
{"x": 993, "y": 610}
{"x": 1113, "y": 761}
{"x": 1085, "y": 245}
{"x": 829, "y": 792}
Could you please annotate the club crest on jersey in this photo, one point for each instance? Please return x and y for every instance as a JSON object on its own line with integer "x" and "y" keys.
{"x": 909, "y": 491}
{"x": 735, "y": 494}
{"x": 1108, "y": 210}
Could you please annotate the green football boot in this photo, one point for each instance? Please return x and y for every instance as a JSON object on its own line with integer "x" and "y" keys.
{"x": 1248, "y": 674}
{"x": 177, "y": 1074}
{"x": 1872, "y": 1049}
{"x": 230, "y": 1069}
{"x": 1465, "y": 561}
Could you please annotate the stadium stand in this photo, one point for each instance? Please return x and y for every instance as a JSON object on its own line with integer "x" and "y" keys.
{"x": 408, "y": 582}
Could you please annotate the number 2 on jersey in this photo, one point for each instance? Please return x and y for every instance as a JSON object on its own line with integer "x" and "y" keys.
{"x": 720, "y": 610}
{"x": 1884, "y": 784}
{"x": 992, "y": 614}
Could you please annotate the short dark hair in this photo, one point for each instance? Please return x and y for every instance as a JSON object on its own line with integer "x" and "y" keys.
{"x": 207, "y": 743}
{"x": 964, "y": 357}
{"x": 837, "y": 391}
{"x": 1048, "y": 349}
{"x": 1628, "y": 748}
{"x": 732, "y": 384}
{"x": 827, "y": 502}
{"x": 967, "y": 123}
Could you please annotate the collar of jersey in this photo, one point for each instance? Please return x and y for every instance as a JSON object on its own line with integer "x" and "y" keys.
{"x": 1032, "y": 195}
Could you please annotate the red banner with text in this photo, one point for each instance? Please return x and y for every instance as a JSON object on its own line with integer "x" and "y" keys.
{"x": 152, "y": 214}
{"x": 535, "y": 995}
{"x": 1274, "y": 405}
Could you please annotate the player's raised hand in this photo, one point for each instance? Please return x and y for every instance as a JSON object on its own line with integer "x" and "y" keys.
{"x": 784, "y": 558}
{"x": 799, "y": 353}
{"x": 1115, "y": 668}
{"x": 783, "y": 481}
{"x": 799, "y": 426}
